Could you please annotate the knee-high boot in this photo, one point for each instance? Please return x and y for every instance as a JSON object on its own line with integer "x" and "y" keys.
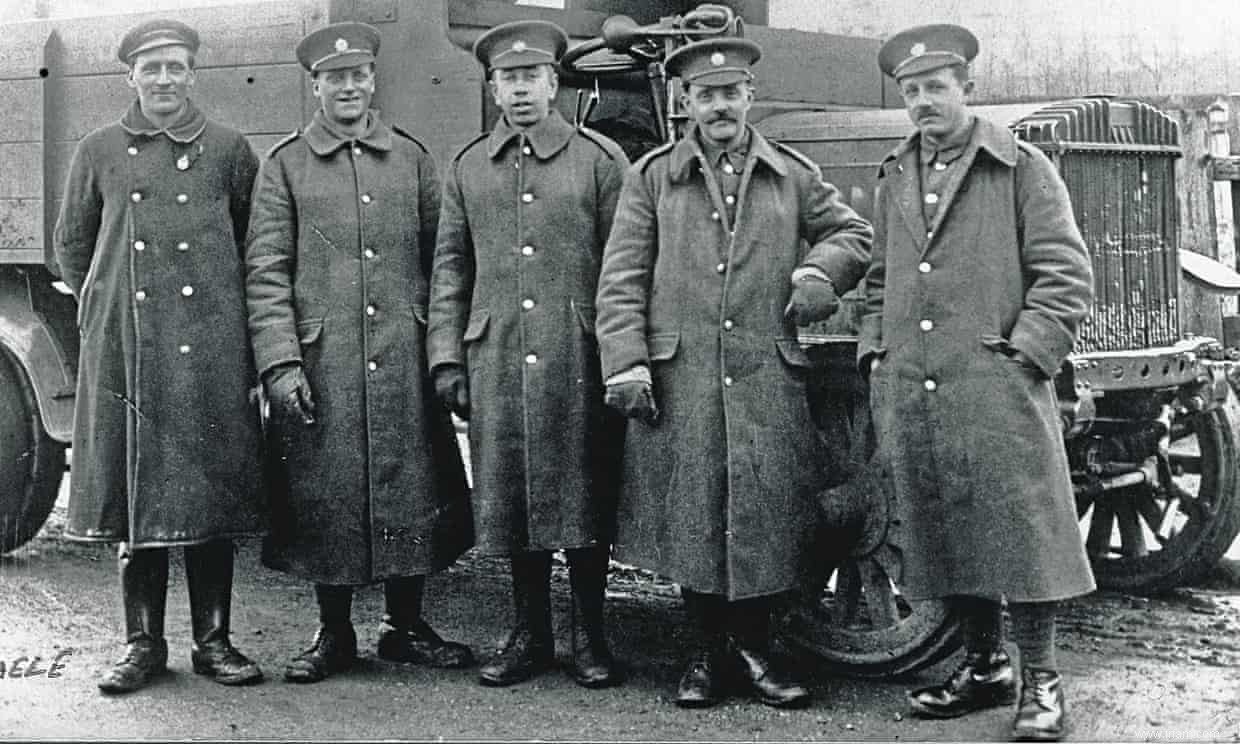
{"x": 703, "y": 683}
{"x": 530, "y": 649}
{"x": 593, "y": 664}
{"x": 209, "y": 575}
{"x": 749, "y": 633}
{"x": 144, "y": 591}
{"x": 404, "y": 636}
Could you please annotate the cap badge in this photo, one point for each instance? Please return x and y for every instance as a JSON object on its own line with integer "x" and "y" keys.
{"x": 717, "y": 59}
{"x": 342, "y": 45}
{"x": 917, "y": 49}
{"x": 518, "y": 46}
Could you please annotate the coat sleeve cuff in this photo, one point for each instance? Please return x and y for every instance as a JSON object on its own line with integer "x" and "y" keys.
{"x": 634, "y": 374}
{"x": 621, "y": 352}
{"x": 1042, "y": 341}
{"x": 444, "y": 346}
{"x": 273, "y": 347}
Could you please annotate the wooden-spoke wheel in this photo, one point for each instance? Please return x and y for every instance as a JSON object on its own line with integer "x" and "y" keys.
{"x": 31, "y": 463}
{"x": 1171, "y": 529}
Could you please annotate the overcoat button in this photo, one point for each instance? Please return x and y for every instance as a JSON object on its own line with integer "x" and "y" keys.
{"x": 714, "y": 216}
{"x": 187, "y": 290}
{"x": 721, "y": 268}
{"x": 357, "y": 150}
{"x": 727, "y": 168}
{"x": 729, "y": 199}
{"x": 527, "y": 250}
{"x": 368, "y": 253}
{"x": 139, "y": 245}
{"x": 931, "y": 386}
{"x": 140, "y": 295}
{"x": 184, "y": 349}
{"x": 727, "y": 325}
{"x": 182, "y": 246}
{"x": 370, "y": 310}
{"x": 531, "y": 359}
{"x": 924, "y": 267}
{"x": 527, "y": 198}
{"x": 929, "y": 234}
{"x": 366, "y": 198}
{"x": 932, "y": 198}
{"x": 182, "y": 198}
{"x": 727, "y": 381}
{"x": 131, "y": 150}
{"x": 136, "y": 196}
{"x": 940, "y": 166}
{"x": 926, "y": 325}
{"x": 528, "y": 304}
{"x": 526, "y": 150}
{"x": 372, "y": 366}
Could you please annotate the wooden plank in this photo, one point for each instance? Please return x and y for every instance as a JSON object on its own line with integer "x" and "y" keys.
{"x": 21, "y": 54}
{"x": 22, "y": 174}
{"x": 19, "y": 225}
{"x": 817, "y": 68}
{"x": 256, "y": 100}
{"x": 20, "y": 123}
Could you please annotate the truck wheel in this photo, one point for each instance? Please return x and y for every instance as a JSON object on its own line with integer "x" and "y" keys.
{"x": 850, "y": 613}
{"x": 1154, "y": 537}
{"x": 31, "y": 463}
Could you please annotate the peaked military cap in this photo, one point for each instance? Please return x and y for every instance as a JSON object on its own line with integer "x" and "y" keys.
{"x": 926, "y": 48}
{"x": 154, "y": 34}
{"x": 521, "y": 44}
{"x": 338, "y": 45}
{"x": 719, "y": 61}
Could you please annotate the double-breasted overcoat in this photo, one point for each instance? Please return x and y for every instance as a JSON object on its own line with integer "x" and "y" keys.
{"x": 718, "y": 494}
{"x": 339, "y": 258}
{"x": 150, "y": 238}
{"x": 972, "y": 437}
{"x": 525, "y": 216}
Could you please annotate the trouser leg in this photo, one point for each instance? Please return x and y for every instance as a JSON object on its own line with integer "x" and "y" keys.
{"x": 703, "y": 682}
{"x": 530, "y": 648}
{"x": 984, "y": 678}
{"x": 1042, "y": 713}
{"x": 335, "y": 643}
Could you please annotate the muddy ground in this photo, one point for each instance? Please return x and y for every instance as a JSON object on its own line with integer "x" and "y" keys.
{"x": 1160, "y": 669}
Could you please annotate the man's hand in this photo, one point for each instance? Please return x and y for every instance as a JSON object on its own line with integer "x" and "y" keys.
{"x": 634, "y": 399}
{"x": 289, "y": 391}
{"x": 452, "y": 389}
{"x": 813, "y": 299}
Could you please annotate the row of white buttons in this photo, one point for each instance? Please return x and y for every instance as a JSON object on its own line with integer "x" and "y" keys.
{"x": 137, "y": 197}
{"x": 139, "y": 245}
{"x": 186, "y": 291}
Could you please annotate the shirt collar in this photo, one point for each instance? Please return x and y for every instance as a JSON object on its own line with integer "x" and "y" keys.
{"x": 952, "y": 148}
{"x": 547, "y": 137}
{"x": 714, "y": 153}
{"x": 324, "y": 139}
{"x": 986, "y": 135}
{"x": 685, "y": 154}
{"x": 185, "y": 129}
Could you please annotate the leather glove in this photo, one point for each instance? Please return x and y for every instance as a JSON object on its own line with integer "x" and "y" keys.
{"x": 813, "y": 299}
{"x": 289, "y": 391}
{"x": 634, "y": 399}
{"x": 452, "y": 389}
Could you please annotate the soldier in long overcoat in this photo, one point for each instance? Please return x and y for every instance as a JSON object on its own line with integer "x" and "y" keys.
{"x": 339, "y": 258}
{"x": 165, "y": 437}
{"x": 722, "y": 244}
{"x": 978, "y": 283}
{"x": 526, "y": 211}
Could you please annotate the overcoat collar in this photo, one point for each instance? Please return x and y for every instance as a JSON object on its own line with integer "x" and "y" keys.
{"x": 547, "y": 137}
{"x": 687, "y": 151}
{"x": 324, "y": 140}
{"x": 184, "y": 130}
{"x": 900, "y": 167}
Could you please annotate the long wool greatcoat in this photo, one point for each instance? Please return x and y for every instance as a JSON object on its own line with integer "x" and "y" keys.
{"x": 718, "y": 494}
{"x": 525, "y": 216}
{"x": 149, "y": 238}
{"x": 338, "y": 263}
{"x": 971, "y": 436}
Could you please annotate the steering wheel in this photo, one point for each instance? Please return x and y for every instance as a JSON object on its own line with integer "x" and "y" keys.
{"x": 623, "y": 46}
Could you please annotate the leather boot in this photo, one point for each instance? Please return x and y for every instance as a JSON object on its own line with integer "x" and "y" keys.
{"x": 1041, "y": 715}
{"x": 209, "y": 575}
{"x": 405, "y": 637}
{"x": 983, "y": 680}
{"x": 703, "y": 683}
{"x": 750, "y": 644}
{"x": 530, "y": 649}
{"x": 144, "y": 591}
{"x": 335, "y": 643}
{"x": 593, "y": 664}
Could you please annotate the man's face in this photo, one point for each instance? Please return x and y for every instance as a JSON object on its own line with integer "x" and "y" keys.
{"x": 720, "y": 110}
{"x": 345, "y": 93}
{"x": 936, "y": 101}
{"x": 525, "y": 94}
{"x": 162, "y": 76}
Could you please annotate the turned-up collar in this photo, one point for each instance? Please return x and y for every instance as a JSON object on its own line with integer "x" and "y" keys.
{"x": 685, "y": 153}
{"x": 547, "y": 137}
{"x": 324, "y": 140}
{"x": 987, "y": 135}
{"x": 185, "y": 129}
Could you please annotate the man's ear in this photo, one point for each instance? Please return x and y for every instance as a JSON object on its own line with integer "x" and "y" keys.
{"x": 494, "y": 88}
{"x": 554, "y": 79}
{"x": 129, "y": 79}
{"x": 968, "y": 87}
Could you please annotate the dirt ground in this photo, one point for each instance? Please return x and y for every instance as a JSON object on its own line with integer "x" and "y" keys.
{"x": 1138, "y": 669}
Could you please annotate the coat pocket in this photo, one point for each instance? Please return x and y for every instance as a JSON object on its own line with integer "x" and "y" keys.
{"x": 419, "y": 312}
{"x": 477, "y": 328}
{"x": 308, "y": 331}
{"x": 663, "y": 346}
